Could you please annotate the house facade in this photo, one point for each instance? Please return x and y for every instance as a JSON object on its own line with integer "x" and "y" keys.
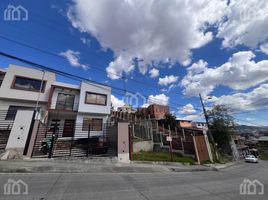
{"x": 24, "y": 88}
{"x": 76, "y": 110}
{"x": 201, "y": 125}
{"x": 154, "y": 111}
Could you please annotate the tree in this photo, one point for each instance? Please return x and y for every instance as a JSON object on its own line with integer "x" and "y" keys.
{"x": 169, "y": 120}
{"x": 222, "y": 127}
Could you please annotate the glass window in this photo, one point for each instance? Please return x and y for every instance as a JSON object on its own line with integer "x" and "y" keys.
{"x": 12, "y": 111}
{"x": 65, "y": 101}
{"x": 1, "y": 78}
{"x": 94, "y": 98}
{"x": 28, "y": 84}
{"x": 94, "y": 123}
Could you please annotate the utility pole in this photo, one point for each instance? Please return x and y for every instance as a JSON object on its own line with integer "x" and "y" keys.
{"x": 206, "y": 117}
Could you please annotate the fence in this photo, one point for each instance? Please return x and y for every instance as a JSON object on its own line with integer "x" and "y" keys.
{"x": 76, "y": 140}
{"x": 6, "y": 124}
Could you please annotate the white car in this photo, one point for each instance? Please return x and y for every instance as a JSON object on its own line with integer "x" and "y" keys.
{"x": 251, "y": 159}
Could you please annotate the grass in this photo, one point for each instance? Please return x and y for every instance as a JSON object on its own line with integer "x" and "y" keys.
{"x": 263, "y": 156}
{"x": 161, "y": 156}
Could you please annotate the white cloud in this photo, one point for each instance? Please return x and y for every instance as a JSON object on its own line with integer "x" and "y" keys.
{"x": 85, "y": 41}
{"x": 118, "y": 66}
{"x": 168, "y": 80}
{"x": 154, "y": 73}
{"x": 150, "y": 31}
{"x": 264, "y": 48}
{"x": 195, "y": 117}
{"x": 116, "y": 102}
{"x": 253, "y": 100}
{"x": 73, "y": 58}
{"x": 187, "y": 109}
{"x": 160, "y": 99}
{"x": 246, "y": 23}
{"x": 239, "y": 73}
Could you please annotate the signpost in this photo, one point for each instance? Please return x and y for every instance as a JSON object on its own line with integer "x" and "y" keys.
{"x": 169, "y": 139}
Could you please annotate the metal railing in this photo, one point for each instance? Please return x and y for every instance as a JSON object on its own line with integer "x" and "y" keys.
{"x": 63, "y": 105}
{"x": 59, "y": 140}
{"x": 5, "y": 127}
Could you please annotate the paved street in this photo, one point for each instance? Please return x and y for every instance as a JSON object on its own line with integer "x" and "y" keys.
{"x": 223, "y": 184}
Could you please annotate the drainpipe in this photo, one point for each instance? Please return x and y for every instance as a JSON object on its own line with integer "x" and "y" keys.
{"x": 38, "y": 97}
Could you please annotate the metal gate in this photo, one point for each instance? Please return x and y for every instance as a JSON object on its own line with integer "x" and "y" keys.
{"x": 6, "y": 124}
{"x": 51, "y": 141}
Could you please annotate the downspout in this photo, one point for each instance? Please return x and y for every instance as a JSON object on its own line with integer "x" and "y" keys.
{"x": 38, "y": 97}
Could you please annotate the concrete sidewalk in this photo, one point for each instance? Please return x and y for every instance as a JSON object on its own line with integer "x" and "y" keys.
{"x": 94, "y": 165}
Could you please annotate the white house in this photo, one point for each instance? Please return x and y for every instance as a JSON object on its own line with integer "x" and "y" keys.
{"x": 201, "y": 125}
{"x": 78, "y": 109}
{"x": 75, "y": 108}
{"x": 23, "y": 88}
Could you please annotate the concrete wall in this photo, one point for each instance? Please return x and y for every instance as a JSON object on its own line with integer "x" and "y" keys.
{"x": 143, "y": 146}
{"x": 7, "y": 92}
{"x": 89, "y": 108}
{"x": 123, "y": 142}
{"x": 20, "y": 130}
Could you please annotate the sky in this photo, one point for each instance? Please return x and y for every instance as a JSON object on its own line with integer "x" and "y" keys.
{"x": 165, "y": 52}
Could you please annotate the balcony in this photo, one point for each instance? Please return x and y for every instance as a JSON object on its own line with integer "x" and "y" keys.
{"x": 64, "y": 106}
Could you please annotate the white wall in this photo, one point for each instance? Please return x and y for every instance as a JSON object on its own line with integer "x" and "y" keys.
{"x": 89, "y": 108}
{"x": 7, "y": 92}
{"x": 20, "y": 130}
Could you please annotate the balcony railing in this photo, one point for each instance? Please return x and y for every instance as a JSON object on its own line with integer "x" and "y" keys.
{"x": 58, "y": 105}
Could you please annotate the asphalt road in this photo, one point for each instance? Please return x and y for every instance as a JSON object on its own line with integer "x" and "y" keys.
{"x": 213, "y": 185}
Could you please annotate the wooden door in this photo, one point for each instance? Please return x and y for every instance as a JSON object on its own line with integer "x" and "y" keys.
{"x": 68, "y": 129}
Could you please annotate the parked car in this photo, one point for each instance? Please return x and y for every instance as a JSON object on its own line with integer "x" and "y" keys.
{"x": 251, "y": 159}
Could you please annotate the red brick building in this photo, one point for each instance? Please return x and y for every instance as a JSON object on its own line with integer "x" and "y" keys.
{"x": 154, "y": 111}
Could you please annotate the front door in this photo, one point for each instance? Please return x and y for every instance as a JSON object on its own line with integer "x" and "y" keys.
{"x": 68, "y": 129}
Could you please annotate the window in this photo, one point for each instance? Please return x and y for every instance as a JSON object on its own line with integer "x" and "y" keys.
{"x": 12, "y": 111}
{"x": 65, "y": 101}
{"x": 24, "y": 83}
{"x": 94, "y": 123}
{"x": 2, "y": 75}
{"x": 94, "y": 98}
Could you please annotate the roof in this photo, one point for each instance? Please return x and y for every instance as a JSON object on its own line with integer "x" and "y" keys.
{"x": 66, "y": 85}
{"x": 263, "y": 138}
{"x": 3, "y": 70}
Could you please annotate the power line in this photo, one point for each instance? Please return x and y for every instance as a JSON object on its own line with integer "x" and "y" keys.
{"x": 96, "y": 68}
{"x": 68, "y": 75}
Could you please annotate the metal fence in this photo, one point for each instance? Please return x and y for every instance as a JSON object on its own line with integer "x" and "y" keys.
{"x": 77, "y": 140}
{"x": 6, "y": 125}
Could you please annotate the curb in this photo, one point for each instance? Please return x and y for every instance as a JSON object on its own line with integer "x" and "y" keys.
{"x": 101, "y": 166}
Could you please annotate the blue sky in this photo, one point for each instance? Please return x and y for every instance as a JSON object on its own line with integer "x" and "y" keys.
{"x": 193, "y": 48}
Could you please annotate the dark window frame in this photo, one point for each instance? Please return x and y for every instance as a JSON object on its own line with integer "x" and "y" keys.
{"x": 99, "y": 104}
{"x": 13, "y": 86}
{"x": 60, "y": 93}
{"x": 92, "y": 127}
{"x": 2, "y": 74}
